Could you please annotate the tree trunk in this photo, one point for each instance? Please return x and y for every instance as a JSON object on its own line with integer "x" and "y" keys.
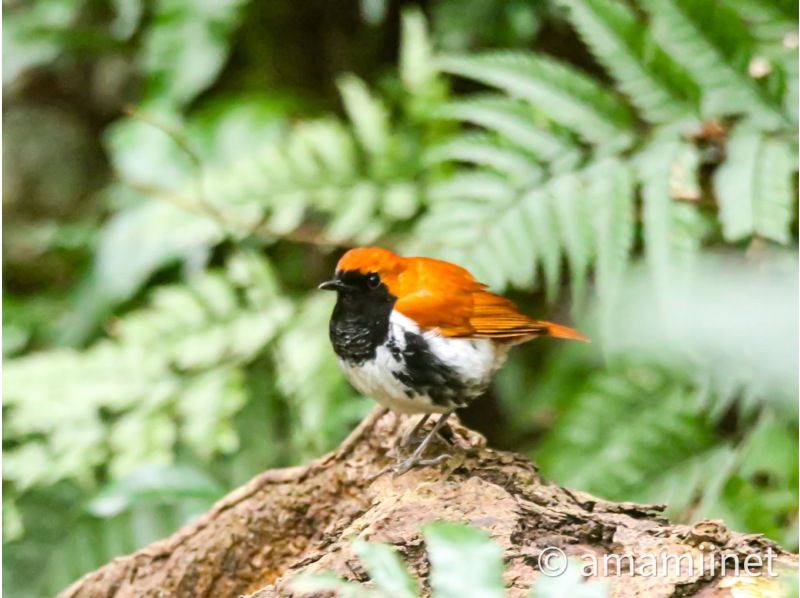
{"x": 285, "y": 521}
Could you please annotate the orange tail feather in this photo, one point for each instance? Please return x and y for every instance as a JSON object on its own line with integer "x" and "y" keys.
{"x": 559, "y": 331}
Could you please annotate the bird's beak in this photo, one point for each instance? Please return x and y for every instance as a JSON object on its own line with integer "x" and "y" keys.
{"x": 331, "y": 285}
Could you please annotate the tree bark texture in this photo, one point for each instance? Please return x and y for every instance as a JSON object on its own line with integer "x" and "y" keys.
{"x": 257, "y": 538}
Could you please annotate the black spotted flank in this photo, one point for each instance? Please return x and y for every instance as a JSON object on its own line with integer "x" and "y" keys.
{"x": 425, "y": 374}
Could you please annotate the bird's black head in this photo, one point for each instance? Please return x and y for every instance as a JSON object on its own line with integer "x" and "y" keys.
{"x": 360, "y": 320}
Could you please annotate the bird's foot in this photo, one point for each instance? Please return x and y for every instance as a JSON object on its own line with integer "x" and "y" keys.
{"x": 415, "y": 438}
{"x": 416, "y": 458}
{"x": 410, "y": 463}
{"x": 406, "y": 465}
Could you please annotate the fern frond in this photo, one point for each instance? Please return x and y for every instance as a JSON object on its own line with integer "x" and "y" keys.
{"x": 444, "y": 231}
{"x": 634, "y": 441}
{"x": 318, "y": 167}
{"x": 417, "y": 63}
{"x": 667, "y": 169}
{"x": 769, "y": 20}
{"x": 328, "y": 143}
{"x": 538, "y": 213}
{"x": 574, "y": 221}
{"x": 487, "y": 233}
{"x": 715, "y": 46}
{"x": 694, "y": 487}
{"x": 487, "y": 151}
{"x": 611, "y": 197}
{"x": 356, "y": 220}
{"x": 561, "y": 93}
{"x": 653, "y": 82}
{"x": 788, "y": 8}
{"x": 401, "y": 200}
{"x": 507, "y": 253}
{"x": 369, "y": 116}
{"x": 140, "y": 239}
{"x": 504, "y": 234}
{"x": 755, "y": 187}
{"x": 180, "y": 355}
{"x": 518, "y": 124}
{"x": 476, "y": 184}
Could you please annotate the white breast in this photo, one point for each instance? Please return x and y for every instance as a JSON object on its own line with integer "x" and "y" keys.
{"x": 474, "y": 361}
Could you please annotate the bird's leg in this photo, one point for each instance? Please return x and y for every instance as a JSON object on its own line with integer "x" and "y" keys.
{"x": 414, "y": 459}
{"x": 411, "y": 437}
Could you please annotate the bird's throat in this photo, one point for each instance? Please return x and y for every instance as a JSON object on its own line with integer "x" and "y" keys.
{"x": 359, "y": 324}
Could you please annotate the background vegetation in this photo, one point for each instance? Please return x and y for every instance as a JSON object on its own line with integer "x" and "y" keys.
{"x": 179, "y": 176}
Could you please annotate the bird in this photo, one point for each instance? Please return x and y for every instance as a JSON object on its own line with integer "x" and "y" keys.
{"x": 421, "y": 335}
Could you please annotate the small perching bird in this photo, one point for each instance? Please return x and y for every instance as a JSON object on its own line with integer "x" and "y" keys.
{"x": 421, "y": 335}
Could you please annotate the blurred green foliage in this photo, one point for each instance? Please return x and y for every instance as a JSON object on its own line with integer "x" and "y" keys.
{"x": 464, "y": 562}
{"x": 182, "y": 174}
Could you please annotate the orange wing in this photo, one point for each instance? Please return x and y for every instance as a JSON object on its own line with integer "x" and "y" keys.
{"x": 441, "y": 295}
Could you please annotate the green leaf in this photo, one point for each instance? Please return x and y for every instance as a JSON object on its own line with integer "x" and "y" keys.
{"x": 769, "y": 20}
{"x": 367, "y": 113}
{"x": 717, "y": 48}
{"x": 655, "y": 84}
{"x": 480, "y": 185}
{"x": 502, "y": 232}
{"x": 331, "y": 145}
{"x": 401, "y": 201}
{"x": 573, "y": 218}
{"x": 28, "y": 39}
{"x": 170, "y": 377}
{"x": 516, "y": 124}
{"x": 145, "y": 155}
{"x": 127, "y": 17}
{"x": 764, "y": 488}
{"x": 696, "y": 486}
{"x": 483, "y": 150}
{"x": 311, "y": 582}
{"x": 386, "y": 569}
{"x": 138, "y": 241}
{"x": 635, "y": 439}
{"x": 464, "y": 562}
{"x": 570, "y": 583}
{"x": 229, "y": 128}
{"x": 672, "y": 230}
{"x": 13, "y": 527}
{"x": 537, "y": 210}
{"x": 69, "y": 543}
{"x": 611, "y": 197}
{"x": 28, "y": 465}
{"x": 186, "y": 47}
{"x": 558, "y": 91}
{"x": 207, "y": 406}
{"x": 755, "y": 186}
{"x": 417, "y": 64}
{"x": 356, "y": 221}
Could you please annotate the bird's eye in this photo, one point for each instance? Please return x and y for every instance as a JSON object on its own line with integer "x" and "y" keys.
{"x": 373, "y": 281}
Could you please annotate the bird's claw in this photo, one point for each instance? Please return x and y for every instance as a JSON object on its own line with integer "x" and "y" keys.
{"x": 407, "y": 465}
{"x": 410, "y": 463}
